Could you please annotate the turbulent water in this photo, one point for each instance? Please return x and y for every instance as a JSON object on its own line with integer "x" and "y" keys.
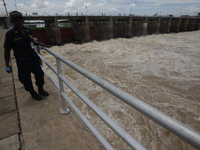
{"x": 161, "y": 70}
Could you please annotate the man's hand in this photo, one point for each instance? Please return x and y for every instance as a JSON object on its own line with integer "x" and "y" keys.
{"x": 48, "y": 46}
{"x": 8, "y": 69}
{"x": 41, "y": 44}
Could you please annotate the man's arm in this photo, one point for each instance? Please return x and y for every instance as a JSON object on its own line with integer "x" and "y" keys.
{"x": 42, "y": 44}
{"x": 7, "y": 59}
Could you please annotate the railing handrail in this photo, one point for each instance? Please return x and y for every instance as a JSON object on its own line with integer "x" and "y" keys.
{"x": 182, "y": 131}
{"x": 112, "y": 124}
{"x": 83, "y": 118}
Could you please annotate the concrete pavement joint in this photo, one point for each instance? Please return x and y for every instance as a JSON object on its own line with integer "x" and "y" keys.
{"x": 17, "y": 108}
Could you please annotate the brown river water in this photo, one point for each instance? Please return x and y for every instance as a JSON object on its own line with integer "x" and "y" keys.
{"x": 161, "y": 70}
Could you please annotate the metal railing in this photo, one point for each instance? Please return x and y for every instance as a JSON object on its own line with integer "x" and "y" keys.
{"x": 182, "y": 131}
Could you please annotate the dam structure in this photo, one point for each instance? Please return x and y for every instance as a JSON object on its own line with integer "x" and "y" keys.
{"x": 88, "y": 28}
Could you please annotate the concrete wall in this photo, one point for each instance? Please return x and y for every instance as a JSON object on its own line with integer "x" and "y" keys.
{"x": 191, "y": 23}
{"x": 81, "y": 33}
{"x": 197, "y": 24}
{"x": 101, "y": 29}
{"x": 118, "y": 28}
{"x": 137, "y": 27}
{"x": 153, "y": 26}
{"x": 101, "y": 32}
{"x": 175, "y": 23}
{"x": 165, "y": 24}
{"x": 183, "y": 24}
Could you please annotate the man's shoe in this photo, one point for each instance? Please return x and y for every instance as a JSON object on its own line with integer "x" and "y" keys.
{"x": 36, "y": 96}
{"x": 43, "y": 93}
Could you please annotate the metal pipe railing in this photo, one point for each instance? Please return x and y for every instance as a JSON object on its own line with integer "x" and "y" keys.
{"x": 48, "y": 64}
{"x": 66, "y": 110}
{"x": 81, "y": 116}
{"x": 114, "y": 126}
{"x": 88, "y": 124}
{"x": 52, "y": 81}
{"x": 183, "y": 131}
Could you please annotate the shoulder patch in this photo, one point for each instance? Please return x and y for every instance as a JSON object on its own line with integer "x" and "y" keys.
{"x": 18, "y": 38}
{"x": 16, "y": 31}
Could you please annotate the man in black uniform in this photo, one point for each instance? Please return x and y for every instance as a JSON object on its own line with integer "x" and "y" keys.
{"x": 21, "y": 41}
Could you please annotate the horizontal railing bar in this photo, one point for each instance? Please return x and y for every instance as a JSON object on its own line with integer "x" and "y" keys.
{"x": 112, "y": 124}
{"x": 182, "y": 131}
{"x": 48, "y": 64}
{"x": 52, "y": 81}
{"x": 88, "y": 124}
{"x": 83, "y": 118}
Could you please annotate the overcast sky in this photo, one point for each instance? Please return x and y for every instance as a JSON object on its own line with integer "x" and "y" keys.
{"x": 108, "y": 7}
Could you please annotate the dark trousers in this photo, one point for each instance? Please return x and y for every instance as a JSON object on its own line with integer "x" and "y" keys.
{"x": 24, "y": 75}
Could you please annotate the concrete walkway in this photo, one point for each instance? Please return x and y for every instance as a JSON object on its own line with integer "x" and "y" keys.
{"x": 28, "y": 124}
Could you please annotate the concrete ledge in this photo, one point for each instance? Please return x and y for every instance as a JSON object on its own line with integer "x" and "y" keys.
{"x": 7, "y": 105}
{"x": 6, "y": 81}
{"x": 9, "y": 125}
{"x": 11, "y": 143}
{"x": 7, "y": 91}
{"x": 5, "y": 78}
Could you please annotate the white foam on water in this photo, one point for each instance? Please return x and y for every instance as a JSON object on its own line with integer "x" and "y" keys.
{"x": 161, "y": 70}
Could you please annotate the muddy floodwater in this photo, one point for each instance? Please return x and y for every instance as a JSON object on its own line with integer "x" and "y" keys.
{"x": 161, "y": 70}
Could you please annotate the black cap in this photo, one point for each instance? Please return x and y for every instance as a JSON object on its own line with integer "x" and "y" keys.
{"x": 15, "y": 14}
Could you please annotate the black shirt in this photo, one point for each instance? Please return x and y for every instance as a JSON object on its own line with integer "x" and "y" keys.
{"x": 22, "y": 47}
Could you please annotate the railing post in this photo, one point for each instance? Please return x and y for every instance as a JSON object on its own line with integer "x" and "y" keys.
{"x": 65, "y": 110}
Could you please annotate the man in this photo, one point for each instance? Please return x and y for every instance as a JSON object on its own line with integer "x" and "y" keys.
{"x": 21, "y": 41}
